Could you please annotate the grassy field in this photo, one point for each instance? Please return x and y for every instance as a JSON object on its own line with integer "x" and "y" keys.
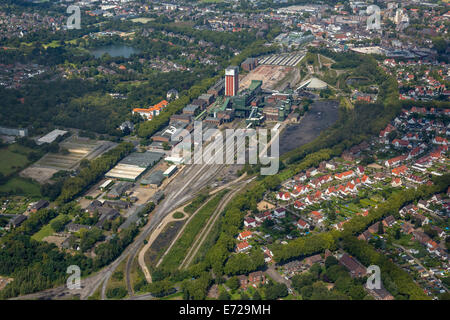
{"x": 179, "y": 250}
{"x": 46, "y": 230}
{"x": 142, "y": 20}
{"x": 21, "y": 186}
{"x": 117, "y": 280}
{"x": 11, "y": 161}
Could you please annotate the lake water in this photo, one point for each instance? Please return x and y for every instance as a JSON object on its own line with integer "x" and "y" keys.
{"x": 114, "y": 51}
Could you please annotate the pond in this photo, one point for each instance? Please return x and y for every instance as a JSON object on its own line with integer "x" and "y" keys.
{"x": 114, "y": 51}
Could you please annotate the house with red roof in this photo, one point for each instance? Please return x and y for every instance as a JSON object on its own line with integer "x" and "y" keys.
{"x": 396, "y": 182}
{"x": 399, "y": 171}
{"x": 344, "y": 175}
{"x": 389, "y": 128}
{"x": 302, "y": 224}
{"x": 283, "y": 196}
{"x": 399, "y": 143}
{"x": 365, "y": 180}
{"x": 360, "y": 170}
{"x": 299, "y": 205}
{"x": 331, "y": 191}
{"x": 316, "y": 216}
{"x": 440, "y": 141}
{"x": 394, "y": 161}
{"x": 244, "y": 235}
{"x": 309, "y": 200}
{"x": 243, "y": 246}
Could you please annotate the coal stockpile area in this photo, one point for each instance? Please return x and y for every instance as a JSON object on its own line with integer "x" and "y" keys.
{"x": 321, "y": 115}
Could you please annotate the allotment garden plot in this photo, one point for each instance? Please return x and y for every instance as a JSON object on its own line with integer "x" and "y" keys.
{"x": 74, "y": 149}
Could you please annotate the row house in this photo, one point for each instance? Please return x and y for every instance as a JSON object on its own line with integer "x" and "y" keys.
{"x": 344, "y": 175}
{"x": 414, "y": 179}
{"x": 400, "y": 143}
{"x": 395, "y": 161}
{"x": 399, "y": 171}
{"x": 440, "y": 141}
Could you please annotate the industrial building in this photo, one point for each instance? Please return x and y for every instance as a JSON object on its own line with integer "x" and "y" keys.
{"x": 249, "y": 64}
{"x": 231, "y": 81}
{"x": 154, "y": 180}
{"x": 170, "y": 171}
{"x": 51, "y": 136}
{"x": 313, "y": 84}
{"x": 134, "y": 165}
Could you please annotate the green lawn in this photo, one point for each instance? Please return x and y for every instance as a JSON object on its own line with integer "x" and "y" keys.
{"x": 11, "y": 161}
{"x": 47, "y": 230}
{"x": 21, "y": 186}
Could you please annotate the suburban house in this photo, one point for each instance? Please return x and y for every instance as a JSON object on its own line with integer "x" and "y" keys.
{"x": 279, "y": 213}
{"x": 389, "y": 221}
{"x": 299, "y": 205}
{"x": 284, "y": 196}
{"x": 41, "y": 204}
{"x": 302, "y": 224}
{"x": 396, "y": 182}
{"x": 316, "y": 217}
{"x": 366, "y": 235}
{"x": 354, "y": 266}
{"x": 256, "y": 278}
{"x": 243, "y": 246}
{"x": 249, "y": 222}
{"x": 244, "y": 235}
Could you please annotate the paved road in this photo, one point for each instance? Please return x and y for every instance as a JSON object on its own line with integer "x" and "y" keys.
{"x": 278, "y": 277}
